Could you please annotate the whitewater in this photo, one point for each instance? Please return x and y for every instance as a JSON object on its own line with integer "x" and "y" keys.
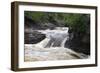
{"x": 52, "y": 47}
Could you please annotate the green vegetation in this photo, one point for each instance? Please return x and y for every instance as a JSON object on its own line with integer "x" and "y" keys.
{"x": 77, "y": 22}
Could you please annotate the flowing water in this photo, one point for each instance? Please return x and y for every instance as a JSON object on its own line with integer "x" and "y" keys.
{"x": 57, "y": 37}
{"x": 52, "y": 47}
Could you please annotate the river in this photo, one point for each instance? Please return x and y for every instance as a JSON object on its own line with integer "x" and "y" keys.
{"x": 52, "y": 47}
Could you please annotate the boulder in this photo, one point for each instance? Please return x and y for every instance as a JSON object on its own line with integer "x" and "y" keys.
{"x": 33, "y": 37}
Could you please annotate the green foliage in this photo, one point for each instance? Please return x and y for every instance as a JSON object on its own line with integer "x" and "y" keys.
{"x": 78, "y": 22}
{"x": 37, "y": 16}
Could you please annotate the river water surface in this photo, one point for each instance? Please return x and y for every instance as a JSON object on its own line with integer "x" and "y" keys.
{"x": 52, "y": 47}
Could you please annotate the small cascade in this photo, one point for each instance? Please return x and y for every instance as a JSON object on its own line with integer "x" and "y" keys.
{"x": 43, "y": 43}
{"x": 64, "y": 41}
{"x": 57, "y": 37}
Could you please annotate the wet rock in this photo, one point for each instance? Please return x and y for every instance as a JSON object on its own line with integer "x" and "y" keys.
{"x": 33, "y": 37}
{"x": 79, "y": 44}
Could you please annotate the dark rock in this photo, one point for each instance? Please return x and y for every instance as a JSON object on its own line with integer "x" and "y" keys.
{"x": 33, "y": 37}
{"x": 79, "y": 42}
{"x": 78, "y": 46}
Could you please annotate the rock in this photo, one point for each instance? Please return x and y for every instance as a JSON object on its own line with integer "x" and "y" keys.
{"x": 79, "y": 41}
{"x": 79, "y": 45}
{"x": 33, "y": 37}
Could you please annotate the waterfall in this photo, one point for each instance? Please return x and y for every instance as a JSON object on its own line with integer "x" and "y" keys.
{"x": 43, "y": 43}
{"x": 52, "y": 47}
{"x": 57, "y": 37}
{"x": 64, "y": 41}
